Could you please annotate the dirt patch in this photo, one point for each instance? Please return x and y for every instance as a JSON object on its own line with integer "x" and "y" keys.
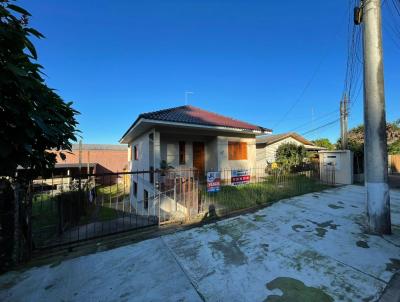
{"x": 259, "y": 217}
{"x": 321, "y": 228}
{"x": 296, "y": 227}
{"x": 231, "y": 241}
{"x": 49, "y": 286}
{"x": 394, "y": 265}
{"x": 334, "y": 206}
{"x": 362, "y": 244}
{"x": 295, "y": 291}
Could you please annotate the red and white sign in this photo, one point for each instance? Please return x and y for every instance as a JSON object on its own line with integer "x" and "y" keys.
{"x": 240, "y": 177}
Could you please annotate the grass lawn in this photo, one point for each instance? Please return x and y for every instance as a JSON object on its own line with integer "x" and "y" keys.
{"x": 112, "y": 191}
{"x": 45, "y": 214}
{"x": 232, "y": 198}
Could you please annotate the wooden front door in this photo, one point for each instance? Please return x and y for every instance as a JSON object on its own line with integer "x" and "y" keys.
{"x": 199, "y": 157}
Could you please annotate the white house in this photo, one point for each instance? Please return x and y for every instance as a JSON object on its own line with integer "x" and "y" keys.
{"x": 187, "y": 137}
{"x": 267, "y": 145}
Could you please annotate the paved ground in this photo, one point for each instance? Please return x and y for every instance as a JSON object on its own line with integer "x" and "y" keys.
{"x": 308, "y": 248}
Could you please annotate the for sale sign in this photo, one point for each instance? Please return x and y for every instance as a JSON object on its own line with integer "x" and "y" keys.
{"x": 213, "y": 181}
{"x": 240, "y": 177}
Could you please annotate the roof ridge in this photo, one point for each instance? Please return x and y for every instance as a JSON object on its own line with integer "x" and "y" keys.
{"x": 161, "y": 110}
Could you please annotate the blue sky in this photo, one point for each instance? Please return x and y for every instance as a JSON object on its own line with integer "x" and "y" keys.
{"x": 250, "y": 60}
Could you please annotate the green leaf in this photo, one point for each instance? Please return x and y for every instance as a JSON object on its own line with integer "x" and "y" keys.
{"x": 31, "y": 48}
{"x": 18, "y": 9}
{"x": 34, "y": 32}
{"x": 16, "y": 70}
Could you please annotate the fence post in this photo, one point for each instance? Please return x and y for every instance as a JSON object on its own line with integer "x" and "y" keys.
{"x": 159, "y": 207}
{"x": 176, "y": 207}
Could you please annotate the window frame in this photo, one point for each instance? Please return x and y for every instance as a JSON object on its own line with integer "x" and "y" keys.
{"x": 182, "y": 152}
{"x": 135, "y": 188}
{"x": 145, "y": 199}
{"x": 135, "y": 152}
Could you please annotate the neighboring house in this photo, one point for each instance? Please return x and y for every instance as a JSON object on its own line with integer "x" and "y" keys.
{"x": 100, "y": 158}
{"x": 187, "y": 137}
{"x": 267, "y": 145}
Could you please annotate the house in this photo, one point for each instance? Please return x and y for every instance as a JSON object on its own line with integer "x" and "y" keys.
{"x": 187, "y": 137}
{"x": 267, "y": 145}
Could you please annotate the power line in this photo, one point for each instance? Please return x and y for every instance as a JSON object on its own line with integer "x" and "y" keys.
{"x": 303, "y": 91}
{"x": 320, "y": 127}
{"x": 316, "y": 119}
{"x": 308, "y": 84}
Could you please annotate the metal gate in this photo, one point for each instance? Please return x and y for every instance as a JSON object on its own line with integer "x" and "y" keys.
{"x": 67, "y": 209}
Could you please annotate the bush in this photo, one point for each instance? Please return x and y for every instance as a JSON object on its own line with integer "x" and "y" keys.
{"x": 290, "y": 155}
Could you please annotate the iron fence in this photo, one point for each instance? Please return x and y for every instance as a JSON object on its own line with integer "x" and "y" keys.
{"x": 69, "y": 209}
{"x": 257, "y": 187}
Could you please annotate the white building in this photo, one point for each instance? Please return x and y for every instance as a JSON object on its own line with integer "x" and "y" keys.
{"x": 186, "y": 137}
{"x": 267, "y": 146}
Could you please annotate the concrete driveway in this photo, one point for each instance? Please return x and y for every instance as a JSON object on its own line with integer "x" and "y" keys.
{"x": 308, "y": 248}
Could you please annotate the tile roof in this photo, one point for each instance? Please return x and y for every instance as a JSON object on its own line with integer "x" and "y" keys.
{"x": 197, "y": 116}
{"x": 270, "y": 139}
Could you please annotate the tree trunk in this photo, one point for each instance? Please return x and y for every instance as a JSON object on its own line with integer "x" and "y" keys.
{"x": 6, "y": 224}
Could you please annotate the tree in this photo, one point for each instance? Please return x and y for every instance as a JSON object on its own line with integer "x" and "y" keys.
{"x": 33, "y": 117}
{"x": 394, "y": 148}
{"x": 290, "y": 155}
{"x": 356, "y": 134}
{"x": 356, "y": 142}
{"x": 33, "y": 120}
{"x": 324, "y": 142}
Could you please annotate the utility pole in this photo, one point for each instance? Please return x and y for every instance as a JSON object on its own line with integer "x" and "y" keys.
{"x": 375, "y": 148}
{"x": 343, "y": 121}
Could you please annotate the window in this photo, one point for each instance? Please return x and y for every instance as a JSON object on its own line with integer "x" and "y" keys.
{"x": 152, "y": 175}
{"x": 145, "y": 199}
{"x": 135, "y": 188}
{"x": 135, "y": 153}
{"x": 237, "y": 151}
{"x": 182, "y": 159}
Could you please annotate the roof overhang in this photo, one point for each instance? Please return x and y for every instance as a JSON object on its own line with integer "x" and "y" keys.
{"x": 142, "y": 125}
{"x": 278, "y": 138}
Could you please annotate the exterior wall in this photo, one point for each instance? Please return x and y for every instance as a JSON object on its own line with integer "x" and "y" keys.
{"x": 212, "y": 155}
{"x": 261, "y": 160}
{"x": 107, "y": 160}
{"x": 339, "y": 163}
{"x": 169, "y": 150}
{"x": 225, "y": 163}
{"x": 270, "y": 150}
{"x": 143, "y": 164}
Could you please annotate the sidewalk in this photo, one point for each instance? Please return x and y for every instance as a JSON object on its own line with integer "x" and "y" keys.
{"x": 308, "y": 248}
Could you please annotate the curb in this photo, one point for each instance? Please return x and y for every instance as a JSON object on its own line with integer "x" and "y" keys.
{"x": 392, "y": 291}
